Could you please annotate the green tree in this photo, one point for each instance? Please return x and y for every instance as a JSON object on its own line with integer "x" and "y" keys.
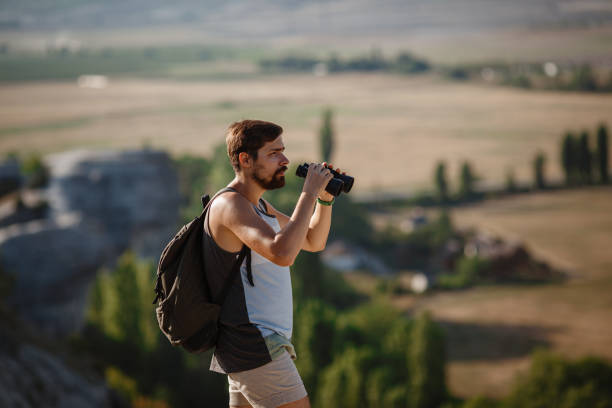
{"x": 307, "y": 275}
{"x": 192, "y": 172}
{"x": 326, "y": 136}
{"x": 538, "y": 170}
{"x": 123, "y": 333}
{"x": 602, "y": 153}
{"x": 102, "y": 304}
{"x": 312, "y": 280}
{"x": 120, "y": 303}
{"x": 569, "y": 159}
{"x": 345, "y": 380}
{"x": 467, "y": 179}
{"x": 128, "y": 312}
{"x": 221, "y": 170}
{"x": 468, "y": 271}
{"x": 396, "y": 342}
{"x": 584, "y": 159}
{"x": 35, "y": 170}
{"x": 583, "y": 79}
{"x": 427, "y": 359}
{"x": 350, "y": 221}
{"x": 480, "y": 402}
{"x": 314, "y": 335}
{"x": 95, "y": 311}
{"x": 554, "y": 382}
{"x": 511, "y": 186}
{"x": 441, "y": 181}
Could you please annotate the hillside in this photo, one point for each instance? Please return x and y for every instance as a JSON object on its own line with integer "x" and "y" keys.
{"x": 492, "y": 330}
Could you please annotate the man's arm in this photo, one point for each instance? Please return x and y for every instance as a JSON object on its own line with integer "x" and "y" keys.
{"x": 320, "y": 222}
{"x": 283, "y": 247}
{"x": 318, "y": 227}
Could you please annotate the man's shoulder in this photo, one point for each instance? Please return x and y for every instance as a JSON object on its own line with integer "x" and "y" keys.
{"x": 230, "y": 205}
{"x": 270, "y": 209}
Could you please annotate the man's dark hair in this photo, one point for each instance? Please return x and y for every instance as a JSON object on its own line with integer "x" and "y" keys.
{"x": 249, "y": 136}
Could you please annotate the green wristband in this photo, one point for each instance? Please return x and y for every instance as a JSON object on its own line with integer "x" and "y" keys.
{"x": 328, "y": 203}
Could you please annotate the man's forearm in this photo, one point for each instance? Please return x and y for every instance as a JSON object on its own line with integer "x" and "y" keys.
{"x": 289, "y": 239}
{"x": 320, "y": 223}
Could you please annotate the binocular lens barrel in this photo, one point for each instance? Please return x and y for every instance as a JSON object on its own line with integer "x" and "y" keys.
{"x": 340, "y": 182}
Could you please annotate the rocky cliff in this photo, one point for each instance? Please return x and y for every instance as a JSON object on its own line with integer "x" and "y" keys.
{"x": 100, "y": 203}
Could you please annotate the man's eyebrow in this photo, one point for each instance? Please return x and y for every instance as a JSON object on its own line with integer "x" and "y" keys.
{"x": 278, "y": 149}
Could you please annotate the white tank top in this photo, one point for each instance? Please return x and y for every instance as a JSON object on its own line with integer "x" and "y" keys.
{"x": 269, "y": 303}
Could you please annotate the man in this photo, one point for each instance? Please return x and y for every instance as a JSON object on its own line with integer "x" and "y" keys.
{"x": 253, "y": 346}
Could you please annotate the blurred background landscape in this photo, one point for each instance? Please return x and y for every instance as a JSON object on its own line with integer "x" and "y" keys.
{"x": 468, "y": 267}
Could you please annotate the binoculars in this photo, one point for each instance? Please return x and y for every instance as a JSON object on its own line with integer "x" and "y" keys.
{"x": 340, "y": 182}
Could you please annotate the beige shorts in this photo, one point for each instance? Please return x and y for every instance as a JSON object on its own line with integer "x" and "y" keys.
{"x": 275, "y": 383}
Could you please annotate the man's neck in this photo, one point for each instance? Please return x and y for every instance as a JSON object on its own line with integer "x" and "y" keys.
{"x": 250, "y": 190}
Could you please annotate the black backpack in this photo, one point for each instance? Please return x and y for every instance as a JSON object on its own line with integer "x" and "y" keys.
{"x": 187, "y": 314}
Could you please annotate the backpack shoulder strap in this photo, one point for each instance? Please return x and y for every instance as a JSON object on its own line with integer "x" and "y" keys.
{"x": 206, "y": 200}
{"x": 263, "y": 205}
{"x": 245, "y": 252}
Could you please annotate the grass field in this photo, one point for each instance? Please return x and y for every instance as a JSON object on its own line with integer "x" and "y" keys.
{"x": 492, "y": 330}
{"x": 390, "y": 129}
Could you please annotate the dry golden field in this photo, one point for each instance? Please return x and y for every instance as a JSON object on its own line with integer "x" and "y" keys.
{"x": 391, "y": 130}
{"x": 492, "y": 330}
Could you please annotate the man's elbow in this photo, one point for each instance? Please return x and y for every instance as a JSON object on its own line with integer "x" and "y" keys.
{"x": 314, "y": 247}
{"x": 319, "y": 248}
{"x": 284, "y": 261}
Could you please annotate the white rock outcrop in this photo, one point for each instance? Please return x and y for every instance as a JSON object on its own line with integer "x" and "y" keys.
{"x": 100, "y": 204}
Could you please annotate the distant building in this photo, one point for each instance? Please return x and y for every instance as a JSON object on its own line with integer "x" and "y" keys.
{"x": 345, "y": 257}
{"x": 415, "y": 220}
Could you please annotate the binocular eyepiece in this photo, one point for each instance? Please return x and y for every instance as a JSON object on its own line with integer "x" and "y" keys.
{"x": 340, "y": 182}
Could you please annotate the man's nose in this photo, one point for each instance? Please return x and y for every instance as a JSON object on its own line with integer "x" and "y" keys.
{"x": 284, "y": 160}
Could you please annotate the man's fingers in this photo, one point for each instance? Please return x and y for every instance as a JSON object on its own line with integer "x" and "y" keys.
{"x": 330, "y": 166}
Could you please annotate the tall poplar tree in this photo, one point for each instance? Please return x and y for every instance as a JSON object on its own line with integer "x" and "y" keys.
{"x": 127, "y": 315}
{"x": 466, "y": 180}
{"x": 568, "y": 158}
{"x": 602, "y": 153}
{"x": 584, "y": 154}
{"x": 441, "y": 182}
{"x": 538, "y": 170}
{"x": 427, "y": 357}
{"x": 326, "y": 136}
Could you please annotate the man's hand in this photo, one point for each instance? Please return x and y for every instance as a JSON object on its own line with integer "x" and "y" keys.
{"x": 316, "y": 179}
{"x": 324, "y": 195}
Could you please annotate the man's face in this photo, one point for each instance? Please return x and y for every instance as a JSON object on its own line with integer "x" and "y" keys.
{"x": 271, "y": 164}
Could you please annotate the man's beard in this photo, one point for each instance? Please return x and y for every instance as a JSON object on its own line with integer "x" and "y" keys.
{"x": 273, "y": 183}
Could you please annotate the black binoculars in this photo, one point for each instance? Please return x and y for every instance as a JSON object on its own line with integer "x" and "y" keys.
{"x": 340, "y": 182}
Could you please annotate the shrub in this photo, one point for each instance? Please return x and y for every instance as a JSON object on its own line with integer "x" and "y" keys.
{"x": 36, "y": 172}
{"x": 555, "y": 382}
{"x": 467, "y": 273}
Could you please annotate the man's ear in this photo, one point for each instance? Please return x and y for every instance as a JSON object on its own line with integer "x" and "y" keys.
{"x": 244, "y": 159}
